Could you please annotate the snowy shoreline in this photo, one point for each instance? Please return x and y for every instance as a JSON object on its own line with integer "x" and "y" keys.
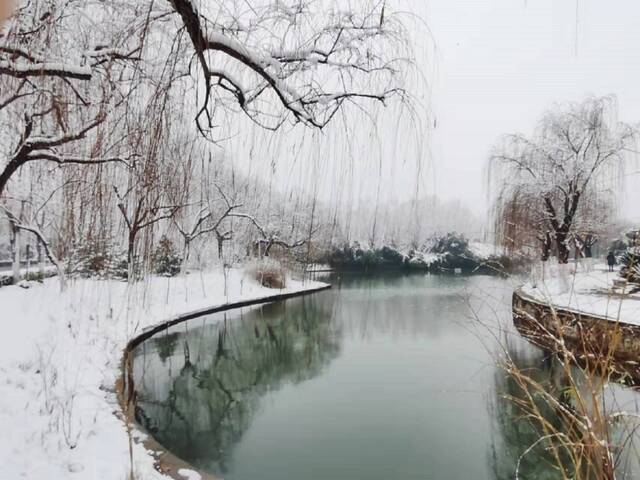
{"x": 62, "y": 356}
{"x": 589, "y": 292}
{"x": 165, "y": 461}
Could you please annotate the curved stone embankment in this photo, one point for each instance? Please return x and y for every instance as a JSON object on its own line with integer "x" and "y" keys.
{"x": 165, "y": 462}
{"x": 612, "y": 343}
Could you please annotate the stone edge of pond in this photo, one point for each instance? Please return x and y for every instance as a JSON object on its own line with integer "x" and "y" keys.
{"x": 520, "y": 295}
{"x": 166, "y": 462}
{"x": 589, "y": 330}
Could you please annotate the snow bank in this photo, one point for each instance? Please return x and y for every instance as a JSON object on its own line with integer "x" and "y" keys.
{"x": 6, "y": 276}
{"x": 423, "y": 259}
{"x": 586, "y": 289}
{"x": 189, "y": 474}
{"x": 60, "y": 356}
{"x": 483, "y": 250}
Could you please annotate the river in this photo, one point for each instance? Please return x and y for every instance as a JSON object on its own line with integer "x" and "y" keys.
{"x": 382, "y": 377}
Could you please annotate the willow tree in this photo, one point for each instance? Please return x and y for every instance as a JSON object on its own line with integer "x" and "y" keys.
{"x": 71, "y": 73}
{"x": 557, "y": 184}
{"x": 297, "y": 60}
{"x": 61, "y": 77}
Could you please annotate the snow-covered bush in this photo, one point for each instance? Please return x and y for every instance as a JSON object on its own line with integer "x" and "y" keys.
{"x": 453, "y": 250}
{"x": 268, "y": 273}
{"x": 166, "y": 261}
{"x": 618, "y": 246}
{"x": 628, "y": 240}
{"x": 360, "y": 257}
{"x": 630, "y": 266}
{"x": 92, "y": 261}
{"x": 392, "y": 255}
{"x": 441, "y": 253}
{"x": 120, "y": 267}
{"x": 37, "y": 275}
{"x": 630, "y": 259}
{"x": 98, "y": 259}
{"x": 451, "y": 244}
{"x": 6, "y": 278}
{"x": 417, "y": 260}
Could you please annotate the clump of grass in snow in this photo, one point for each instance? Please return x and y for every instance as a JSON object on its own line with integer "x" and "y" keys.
{"x": 268, "y": 272}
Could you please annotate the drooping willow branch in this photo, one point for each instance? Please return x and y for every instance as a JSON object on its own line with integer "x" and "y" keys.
{"x": 342, "y": 46}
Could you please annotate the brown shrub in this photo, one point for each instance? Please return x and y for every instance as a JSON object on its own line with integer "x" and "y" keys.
{"x": 268, "y": 273}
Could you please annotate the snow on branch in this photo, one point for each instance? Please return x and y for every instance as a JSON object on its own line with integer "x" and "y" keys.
{"x": 62, "y": 159}
{"x": 47, "y": 69}
{"x": 295, "y": 58}
{"x": 44, "y": 147}
{"x": 21, "y": 64}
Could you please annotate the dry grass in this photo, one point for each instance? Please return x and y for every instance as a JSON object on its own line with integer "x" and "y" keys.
{"x": 573, "y": 421}
{"x": 268, "y": 272}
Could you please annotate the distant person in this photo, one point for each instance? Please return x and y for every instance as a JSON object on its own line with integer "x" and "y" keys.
{"x": 611, "y": 261}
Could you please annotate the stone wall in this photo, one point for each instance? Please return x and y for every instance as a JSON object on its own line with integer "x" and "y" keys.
{"x": 599, "y": 342}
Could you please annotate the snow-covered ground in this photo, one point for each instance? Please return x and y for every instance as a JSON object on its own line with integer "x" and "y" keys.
{"x": 60, "y": 356}
{"x": 7, "y": 273}
{"x": 591, "y": 290}
{"x": 484, "y": 250}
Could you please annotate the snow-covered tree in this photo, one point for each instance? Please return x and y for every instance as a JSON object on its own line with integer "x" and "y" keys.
{"x": 60, "y": 76}
{"x": 300, "y": 60}
{"x": 96, "y": 99}
{"x": 94, "y": 95}
{"x": 556, "y": 186}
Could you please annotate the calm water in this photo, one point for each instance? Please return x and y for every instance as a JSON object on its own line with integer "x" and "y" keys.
{"x": 380, "y": 378}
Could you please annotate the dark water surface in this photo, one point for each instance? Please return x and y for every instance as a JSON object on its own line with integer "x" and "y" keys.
{"x": 380, "y": 378}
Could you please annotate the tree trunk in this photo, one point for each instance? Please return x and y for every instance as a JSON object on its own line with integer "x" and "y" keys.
{"x": 60, "y": 269}
{"x": 49, "y": 251}
{"x": 563, "y": 249}
{"x": 131, "y": 256}
{"x": 545, "y": 247}
{"x": 588, "y": 252}
{"x": 220, "y": 248}
{"x": 15, "y": 254}
{"x": 185, "y": 256}
{"x": 588, "y": 246}
{"x": 40, "y": 258}
{"x": 267, "y": 249}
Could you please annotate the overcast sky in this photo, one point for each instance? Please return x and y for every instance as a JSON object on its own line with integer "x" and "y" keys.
{"x": 500, "y": 63}
{"x": 490, "y": 67}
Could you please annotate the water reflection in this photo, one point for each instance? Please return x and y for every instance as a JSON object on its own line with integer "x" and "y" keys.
{"x": 382, "y": 377}
{"x": 519, "y": 413}
{"x": 200, "y": 384}
{"x": 515, "y": 432}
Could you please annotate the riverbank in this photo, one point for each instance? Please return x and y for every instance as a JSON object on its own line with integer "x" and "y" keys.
{"x": 60, "y": 358}
{"x": 589, "y": 311}
{"x": 595, "y": 292}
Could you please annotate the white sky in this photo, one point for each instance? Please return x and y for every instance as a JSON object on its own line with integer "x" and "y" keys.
{"x": 500, "y": 63}
{"x": 491, "y": 67}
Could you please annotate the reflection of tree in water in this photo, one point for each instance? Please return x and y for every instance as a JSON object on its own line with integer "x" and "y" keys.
{"x": 166, "y": 345}
{"x": 206, "y": 406}
{"x": 579, "y": 397}
{"x": 515, "y": 431}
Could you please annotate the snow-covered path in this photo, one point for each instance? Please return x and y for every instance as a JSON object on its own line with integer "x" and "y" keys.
{"x": 60, "y": 357}
{"x": 592, "y": 292}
